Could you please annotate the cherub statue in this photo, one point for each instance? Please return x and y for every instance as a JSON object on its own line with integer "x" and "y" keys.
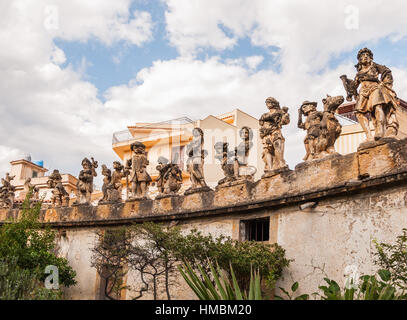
{"x": 195, "y": 162}
{"x": 29, "y": 187}
{"x": 59, "y": 195}
{"x": 85, "y": 183}
{"x": 376, "y": 97}
{"x": 271, "y": 124}
{"x": 139, "y": 177}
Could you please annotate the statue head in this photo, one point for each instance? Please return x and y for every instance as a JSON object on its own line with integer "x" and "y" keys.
{"x": 365, "y": 57}
{"x": 272, "y": 103}
{"x": 246, "y": 133}
{"x": 117, "y": 165}
{"x": 307, "y": 107}
{"x": 196, "y": 132}
{"x": 138, "y": 147}
{"x": 86, "y": 164}
{"x": 162, "y": 160}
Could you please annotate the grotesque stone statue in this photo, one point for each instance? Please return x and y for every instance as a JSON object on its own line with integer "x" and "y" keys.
{"x": 106, "y": 182}
{"x": 29, "y": 187}
{"x": 195, "y": 162}
{"x": 85, "y": 183}
{"x": 59, "y": 195}
{"x": 331, "y": 128}
{"x": 169, "y": 180}
{"x": 235, "y": 164}
{"x": 7, "y": 194}
{"x": 226, "y": 159}
{"x": 376, "y": 97}
{"x": 112, "y": 183}
{"x": 313, "y": 126}
{"x": 137, "y": 165}
{"x": 271, "y": 124}
{"x": 162, "y": 169}
{"x": 322, "y": 127}
{"x": 115, "y": 187}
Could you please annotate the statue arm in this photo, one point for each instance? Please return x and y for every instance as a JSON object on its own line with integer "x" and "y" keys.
{"x": 386, "y": 75}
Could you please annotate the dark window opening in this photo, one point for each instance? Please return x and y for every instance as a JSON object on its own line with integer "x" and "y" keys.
{"x": 35, "y": 174}
{"x": 257, "y": 229}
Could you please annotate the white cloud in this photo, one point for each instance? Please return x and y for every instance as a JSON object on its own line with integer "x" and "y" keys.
{"x": 50, "y": 112}
{"x": 307, "y": 32}
{"x": 254, "y": 61}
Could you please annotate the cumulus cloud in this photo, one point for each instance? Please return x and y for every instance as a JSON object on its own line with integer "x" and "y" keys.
{"x": 48, "y": 110}
{"x": 307, "y": 33}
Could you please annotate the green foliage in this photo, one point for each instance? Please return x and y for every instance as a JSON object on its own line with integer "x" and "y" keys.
{"x": 221, "y": 288}
{"x": 294, "y": 288}
{"x": 268, "y": 259}
{"x": 369, "y": 288}
{"x": 393, "y": 257}
{"x": 26, "y": 249}
{"x": 154, "y": 252}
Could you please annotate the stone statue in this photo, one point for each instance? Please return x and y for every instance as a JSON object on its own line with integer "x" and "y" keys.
{"x": 235, "y": 164}
{"x": 313, "y": 126}
{"x": 195, "y": 162}
{"x": 137, "y": 165}
{"x": 169, "y": 180}
{"x": 376, "y": 97}
{"x": 226, "y": 159}
{"x": 115, "y": 186}
{"x": 322, "y": 127}
{"x": 271, "y": 124}
{"x": 85, "y": 183}
{"x": 161, "y": 168}
{"x": 59, "y": 195}
{"x": 7, "y": 195}
{"x": 28, "y": 186}
{"x": 331, "y": 128}
{"x": 106, "y": 182}
{"x": 112, "y": 183}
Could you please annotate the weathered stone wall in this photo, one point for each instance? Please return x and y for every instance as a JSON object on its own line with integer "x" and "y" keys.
{"x": 359, "y": 197}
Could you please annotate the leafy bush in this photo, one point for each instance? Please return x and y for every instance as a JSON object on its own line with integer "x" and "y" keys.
{"x": 26, "y": 248}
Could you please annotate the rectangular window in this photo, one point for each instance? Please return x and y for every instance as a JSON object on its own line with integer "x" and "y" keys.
{"x": 35, "y": 174}
{"x": 256, "y": 229}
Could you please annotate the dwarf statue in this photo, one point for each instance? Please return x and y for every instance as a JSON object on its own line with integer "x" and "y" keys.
{"x": 29, "y": 187}
{"x": 115, "y": 186}
{"x": 106, "y": 182}
{"x": 376, "y": 97}
{"x": 7, "y": 190}
{"x": 322, "y": 127}
{"x": 195, "y": 162}
{"x": 59, "y": 195}
{"x": 169, "y": 179}
{"x": 85, "y": 183}
{"x": 312, "y": 125}
{"x": 227, "y": 160}
{"x": 271, "y": 124}
{"x": 137, "y": 166}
